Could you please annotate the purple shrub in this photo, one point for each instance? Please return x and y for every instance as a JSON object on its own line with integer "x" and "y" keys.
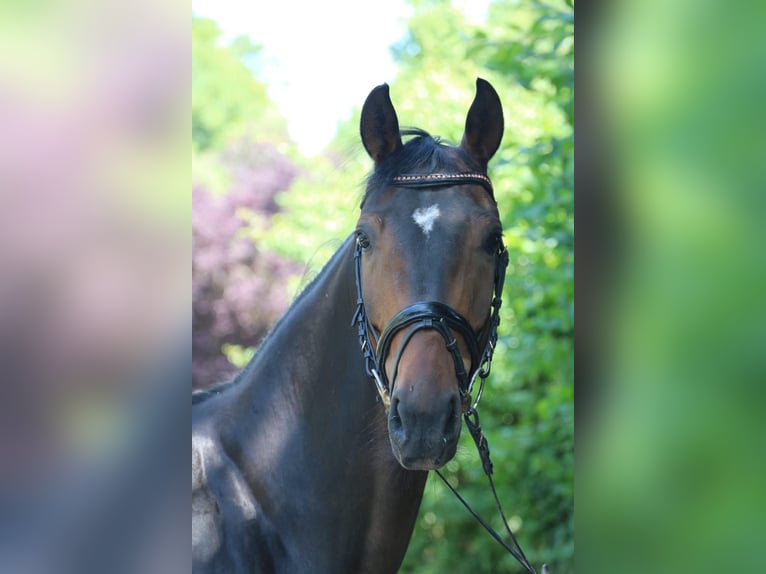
{"x": 238, "y": 290}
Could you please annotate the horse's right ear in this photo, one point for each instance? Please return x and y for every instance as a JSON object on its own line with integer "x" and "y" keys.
{"x": 379, "y": 125}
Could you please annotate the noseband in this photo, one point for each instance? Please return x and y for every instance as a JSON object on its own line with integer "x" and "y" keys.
{"x": 432, "y": 314}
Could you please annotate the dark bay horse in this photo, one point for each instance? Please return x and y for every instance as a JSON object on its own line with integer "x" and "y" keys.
{"x": 315, "y": 457}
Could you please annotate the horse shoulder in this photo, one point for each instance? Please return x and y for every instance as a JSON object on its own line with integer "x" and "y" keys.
{"x": 207, "y": 521}
{"x": 230, "y": 532}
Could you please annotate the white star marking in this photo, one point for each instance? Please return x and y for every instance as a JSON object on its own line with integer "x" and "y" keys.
{"x": 425, "y": 218}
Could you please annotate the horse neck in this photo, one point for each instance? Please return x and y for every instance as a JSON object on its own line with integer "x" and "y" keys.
{"x": 309, "y": 387}
{"x": 312, "y": 349}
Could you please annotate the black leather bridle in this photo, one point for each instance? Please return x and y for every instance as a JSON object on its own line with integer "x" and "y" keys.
{"x": 432, "y": 314}
{"x": 445, "y": 320}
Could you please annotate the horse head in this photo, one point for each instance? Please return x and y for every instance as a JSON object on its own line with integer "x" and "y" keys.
{"x": 429, "y": 261}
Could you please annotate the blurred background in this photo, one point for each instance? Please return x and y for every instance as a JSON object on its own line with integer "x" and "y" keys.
{"x": 670, "y": 282}
{"x": 94, "y": 285}
{"x": 278, "y": 172}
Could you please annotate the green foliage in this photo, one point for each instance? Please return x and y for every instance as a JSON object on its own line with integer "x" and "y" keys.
{"x": 227, "y": 99}
{"x": 318, "y": 211}
{"x": 237, "y": 355}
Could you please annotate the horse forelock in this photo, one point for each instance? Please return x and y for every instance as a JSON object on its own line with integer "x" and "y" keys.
{"x": 422, "y": 154}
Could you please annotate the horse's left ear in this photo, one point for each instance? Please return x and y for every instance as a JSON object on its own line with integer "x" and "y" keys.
{"x": 484, "y": 124}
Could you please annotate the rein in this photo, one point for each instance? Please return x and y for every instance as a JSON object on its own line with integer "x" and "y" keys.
{"x": 444, "y": 319}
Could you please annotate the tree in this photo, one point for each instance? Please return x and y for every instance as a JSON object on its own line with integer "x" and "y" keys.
{"x": 238, "y": 286}
{"x": 227, "y": 99}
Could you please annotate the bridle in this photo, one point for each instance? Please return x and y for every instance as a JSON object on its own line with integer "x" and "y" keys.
{"x": 432, "y": 315}
{"x": 445, "y": 320}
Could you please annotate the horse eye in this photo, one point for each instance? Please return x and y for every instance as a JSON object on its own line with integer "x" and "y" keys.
{"x": 362, "y": 240}
{"x": 494, "y": 243}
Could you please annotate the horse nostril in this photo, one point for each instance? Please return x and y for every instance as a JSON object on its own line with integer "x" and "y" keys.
{"x": 393, "y": 414}
{"x": 452, "y": 422}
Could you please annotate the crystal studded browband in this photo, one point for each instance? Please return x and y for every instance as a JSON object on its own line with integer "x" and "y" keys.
{"x": 439, "y": 179}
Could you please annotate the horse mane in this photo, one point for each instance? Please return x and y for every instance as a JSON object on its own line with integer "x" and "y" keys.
{"x": 423, "y": 153}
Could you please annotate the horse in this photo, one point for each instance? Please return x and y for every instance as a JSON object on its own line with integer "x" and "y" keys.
{"x": 315, "y": 457}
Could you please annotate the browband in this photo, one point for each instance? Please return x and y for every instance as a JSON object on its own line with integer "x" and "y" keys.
{"x": 438, "y": 179}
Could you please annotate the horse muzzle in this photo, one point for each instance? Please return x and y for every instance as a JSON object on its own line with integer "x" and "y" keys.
{"x": 424, "y": 419}
{"x": 424, "y": 440}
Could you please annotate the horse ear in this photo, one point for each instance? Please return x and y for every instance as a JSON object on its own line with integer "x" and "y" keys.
{"x": 484, "y": 124}
{"x": 379, "y": 125}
